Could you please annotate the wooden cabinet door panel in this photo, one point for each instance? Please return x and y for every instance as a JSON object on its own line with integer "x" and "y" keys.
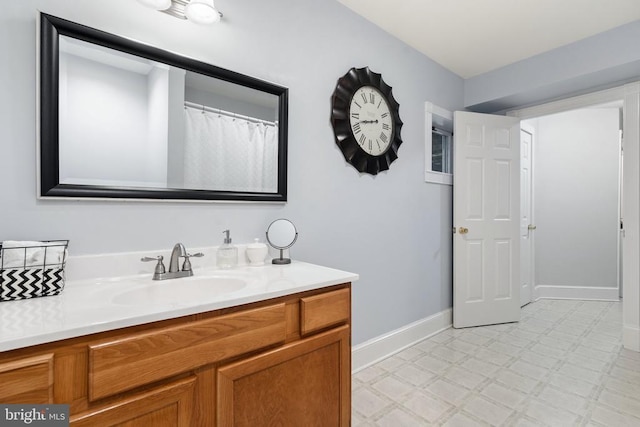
{"x": 306, "y": 383}
{"x": 170, "y": 406}
{"x": 27, "y": 380}
{"x": 146, "y": 357}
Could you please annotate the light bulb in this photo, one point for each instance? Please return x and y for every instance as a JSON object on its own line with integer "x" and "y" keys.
{"x": 202, "y": 12}
{"x": 157, "y": 4}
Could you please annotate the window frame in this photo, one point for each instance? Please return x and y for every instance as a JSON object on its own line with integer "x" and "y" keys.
{"x": 442, "y": 120}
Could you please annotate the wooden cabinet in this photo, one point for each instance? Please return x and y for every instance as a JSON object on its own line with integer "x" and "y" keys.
{"x": 284, "y": 361}
{"x": 305, "y": 383}
{"x": 169, "y": 405}
{"x": 28, "y": 380}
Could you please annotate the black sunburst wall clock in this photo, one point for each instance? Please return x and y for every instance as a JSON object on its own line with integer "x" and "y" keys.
{"x": 366, "y": 121}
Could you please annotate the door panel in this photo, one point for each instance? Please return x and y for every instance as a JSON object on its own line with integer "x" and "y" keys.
{"x": 487, "y": 215}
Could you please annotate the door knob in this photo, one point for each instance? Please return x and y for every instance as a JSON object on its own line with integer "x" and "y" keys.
{"x": 532, "y": 227}
{"x": 463, "y": 230}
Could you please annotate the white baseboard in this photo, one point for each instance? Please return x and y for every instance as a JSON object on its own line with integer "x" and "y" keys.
{"x": 379, "y": 348}
{"x": 631, "y": 337}
{"x": 576, "y": 292}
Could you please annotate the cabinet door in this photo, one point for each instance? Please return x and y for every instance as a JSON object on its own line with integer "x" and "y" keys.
{"x": 166, "y": 406}
{"x": 306, "y": 383}
{"x": 27, "y": 380}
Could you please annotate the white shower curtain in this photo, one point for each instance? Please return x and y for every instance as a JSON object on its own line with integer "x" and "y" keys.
{"x": 229, "y": 154}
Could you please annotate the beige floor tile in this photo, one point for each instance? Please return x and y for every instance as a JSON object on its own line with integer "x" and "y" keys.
{"x": 480, "y": 367}
{"x": 432, "y": 364}
{"x": 580, "y": 373}
{"x": 491, "y": 356}
{"x": 426, "y": 406}
{"x": 516, "y": 381}
{"x": 366, "y": 403}
{"x": 414, "y": 375}
{"x": 609, "y": 417}
{"x": 540, "y": 360}
{"x": 507, "y": 397}
{"x": 461, "y": 420}
{"x": 550, "y": 416}
{"x": 448, "y": 354}
{"x": 410, "y": 353}
{"x": 452, "y": 393}
{"x": 391, "y": 363}
{"x": 622, "y": 387}
{"x": 623, "y": 404}
{"x": 487, "y": 411}
{"x": 476, "y": 339}
{"x": 563, "y": 400}
{"x": 369, "y": 374}
{"x": 463, "y": 377}
{"x": 398, "y": 417}
{"x": 529, "y": 370}
{"x": 463, "y": 346}
{"x": 393, "y": 388}
{"x": 572, "y": 385}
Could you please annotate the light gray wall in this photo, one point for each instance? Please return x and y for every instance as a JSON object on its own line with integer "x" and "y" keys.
{"x": 393, "y": 229}
{"x": 605, "y": 60}
{"x": 576, "y": 176}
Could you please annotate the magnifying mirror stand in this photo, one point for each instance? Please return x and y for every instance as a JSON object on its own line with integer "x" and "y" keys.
{"x": 281, "y": 260}
{"x": 281, "y": 235}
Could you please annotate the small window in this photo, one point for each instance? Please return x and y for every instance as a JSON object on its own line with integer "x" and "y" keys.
{"x": 441, "y": 159}
{"x": 438, "y": 145}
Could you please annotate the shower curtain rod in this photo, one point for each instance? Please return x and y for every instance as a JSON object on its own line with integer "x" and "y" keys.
{"x": 228, "y": 113}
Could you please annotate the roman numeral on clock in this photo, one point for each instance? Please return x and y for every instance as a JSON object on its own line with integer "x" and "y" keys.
{"x": 362, "y": 139}
{"x": 384, "y": 137}
{"x": 356, "y": 128}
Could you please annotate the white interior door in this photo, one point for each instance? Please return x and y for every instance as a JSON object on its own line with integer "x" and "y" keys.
{"x": 486, "y": 214}
{"x": 527, "y": 226}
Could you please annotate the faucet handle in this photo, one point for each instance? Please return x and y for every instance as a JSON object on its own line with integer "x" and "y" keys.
{"x": 197, "y": 255}
{"x": 186, "y": 265}
{"x": 160, "y": 269}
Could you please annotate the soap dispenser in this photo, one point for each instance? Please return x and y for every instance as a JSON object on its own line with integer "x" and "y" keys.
{"x": 227, "y": 256}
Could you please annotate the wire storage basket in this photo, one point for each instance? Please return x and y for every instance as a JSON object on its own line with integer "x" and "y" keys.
{"x": 32, "y": 269}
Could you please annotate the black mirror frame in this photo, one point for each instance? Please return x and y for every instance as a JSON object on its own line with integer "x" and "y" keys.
{"x": 51, "y": 28}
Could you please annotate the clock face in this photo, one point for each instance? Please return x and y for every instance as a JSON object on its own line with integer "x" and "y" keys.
{"x": 366, "y": 120}
{"x": 370, "y": 120}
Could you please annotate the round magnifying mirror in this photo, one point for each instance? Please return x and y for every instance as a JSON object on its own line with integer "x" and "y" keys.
{"x": 282, "y": 234}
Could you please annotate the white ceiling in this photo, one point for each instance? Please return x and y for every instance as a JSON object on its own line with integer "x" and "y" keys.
{"x": 470, "y": 37}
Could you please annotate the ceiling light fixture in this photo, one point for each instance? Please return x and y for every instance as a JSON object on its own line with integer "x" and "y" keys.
{"x": 198, "y": 11}
{"x": 202, "y": 12}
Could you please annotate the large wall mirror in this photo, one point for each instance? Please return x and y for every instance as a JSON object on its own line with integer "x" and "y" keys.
{"x": 121, "y": 119}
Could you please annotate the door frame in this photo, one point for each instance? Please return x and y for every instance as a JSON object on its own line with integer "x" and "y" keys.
{"x": 629, "y": 94}
{"x": 532, "y": 283}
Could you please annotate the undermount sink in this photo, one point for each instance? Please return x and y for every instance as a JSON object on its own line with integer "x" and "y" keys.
{"x": 185, "y": 290}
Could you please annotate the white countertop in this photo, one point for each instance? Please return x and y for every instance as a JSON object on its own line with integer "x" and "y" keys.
{"x": 97, "y": 305}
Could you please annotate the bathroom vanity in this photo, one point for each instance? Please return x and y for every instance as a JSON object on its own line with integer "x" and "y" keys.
{"x": 274, "y": 350}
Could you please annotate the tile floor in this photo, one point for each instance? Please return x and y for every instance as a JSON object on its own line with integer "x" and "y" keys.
{"x": 561, "y": 365}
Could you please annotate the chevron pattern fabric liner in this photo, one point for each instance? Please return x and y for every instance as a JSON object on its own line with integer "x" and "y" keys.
{"x": 23, "y": 283}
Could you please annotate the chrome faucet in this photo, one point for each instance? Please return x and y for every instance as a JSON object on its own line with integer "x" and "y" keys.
{"x": 177, "y": 252}
{"x": 175, "y": 271}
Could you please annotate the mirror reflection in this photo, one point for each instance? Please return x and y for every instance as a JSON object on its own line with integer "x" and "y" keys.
{"x": 137, "y": 122}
